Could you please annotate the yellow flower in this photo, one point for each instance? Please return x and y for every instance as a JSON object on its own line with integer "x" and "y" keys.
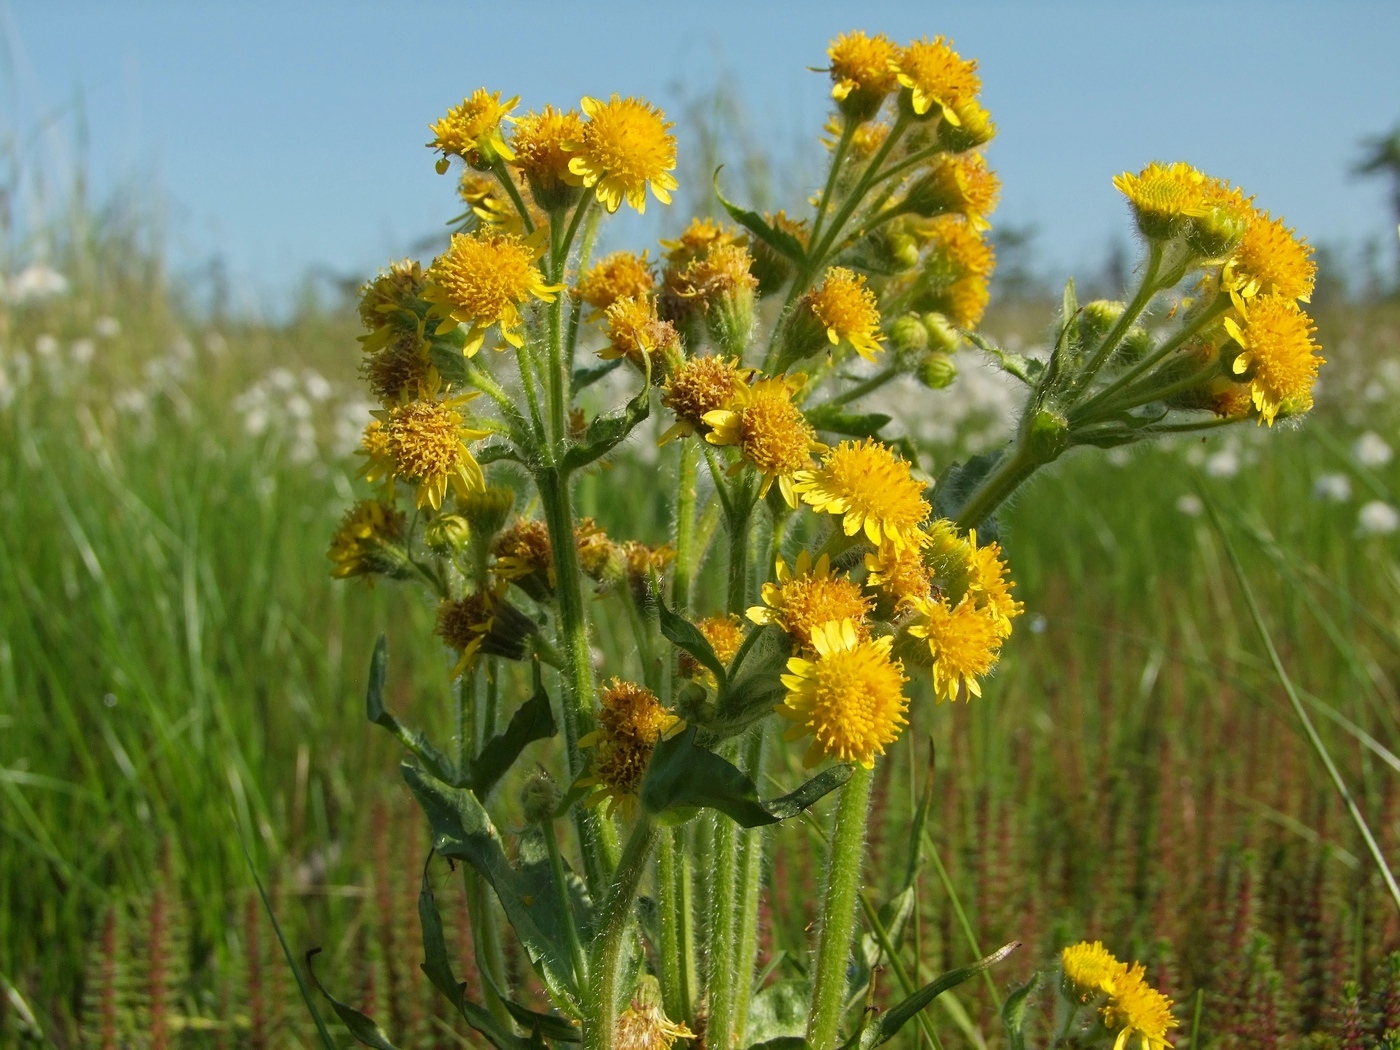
{"x": 725, "y": 634}
{"x": 369, "y": 541}
{"x": 630, "y": 722}
{"x": 636, "y": 333}
{"x": 699, "y": 237}
{"x": 1091, "y": 970}
{"x": 935, "y": 74}
{"x": 463, "y": 624}
{"x": 1163, "y": 196}
{"x": 524, "y": 550}
{"x": 483, "y": 281}
{"x": 864, "y": 142}
{"x": 641, "y": 561}
{"x": 961, "y": 184}
{"x": 425, "y": 441}
{"x": 1138, "y": 1010}
{"x": 974, "y": 127}
{"x": 494, "y": 211}
{"x": 899, "y": 572}
{"x": 1270, "y": 260}
{"x": 598, "y": 556}
{"x": 400, "y": 370}
{"x": 472, "y": 130}
{"x": 1230, "y": 400}
{"x": 644, "y": 1024}
{"x": 374, "y": 444}
{"x": 989, "y": 587}
{"x": 699, "y": 386}
{"x": 801, "y": 601}
{"x": 389, "y": 304}
{"x": 963, "y": 642}
{"x": 870, "y": 488}
{"x": 1278, "y": 354}
{"x": 621, "y": 275}
{"x": 625, "y": 146}
{"x": 540, "y": 153}
{"x": 957, "y": 269}
{"x": 769, "y": 430}
{"x": 723, "y": 270}
{"x": 850, "y": 698}
{"x": 847, "y": 309}
{"x": 861, "y": 73}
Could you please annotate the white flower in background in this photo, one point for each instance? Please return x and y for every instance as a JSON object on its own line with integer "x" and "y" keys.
{"x": 1371, "y": 450}
{"x": 1222, "y": 464}
{"x": 1190, "y": 505}
{"x": 46, "y": 345}
{"x": 35, "y": 282}
{"x": 317, "y": 386}
{"x": 215, "y": 343}
{"x": 130, "y": 402}
{"x": 1377, "y": 519}
{"x": 351, "y": 419}
{"x": 1118, "y": 457}
{"x": 1332, "y": 488}
{"x": 281, "y": 379}
{"x": 82, "y": 351}
{"x": 107, "y": 327}
{"x": 7, "y": 390}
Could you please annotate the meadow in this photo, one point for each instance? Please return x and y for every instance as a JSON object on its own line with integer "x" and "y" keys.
{"x": 182, "y": 697}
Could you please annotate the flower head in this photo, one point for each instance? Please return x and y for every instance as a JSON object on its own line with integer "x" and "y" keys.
{"x": 1091, "y": 970}
{"x": 636, "y": 332}
{"x": 988, "y": 585}
{"x": 483, "y": 622}
{"x": 425, "y": 442}
{"x": 957, "y": 269}
{"x": 802, "y": 600}
{"x": 626, "y": 146}
{"x": 861, "y": 73}
{"x": 390, "y": 305}
{"x": 641, "y": 561}
{"x": 723, "y": 270}
{"x": 769, "y": 430}
{"x": 870, "y": 488}
{"x": 488, "y": 203}
{"x": 699, "y": 237}
{"x": 1271, "y": 260}
{"x": 1278, "y": 354}
{"x": 1138, "y": 1011}
{"x": 401, "y": 370}
{"x": 899, "y": 573}
{"x": 630, "y": 722}
{"x": 963, "y": 641}
{"x": 849, "y": 697}
{"x": 936, "y": 75}
{"x": 846, "y": 308}
{"x": 369, "y": 541}
{"x": 621, "y": 275}
{"x": 472, "y": 130}
{"x": 959, "y": 184}
{"x": 644, "y": 1024}
{"x": 598, "y": 556}
{"x": 725, "y": 634}
{"x": 524, "y": 550}
{"x": 541, "y": 156}
{"x": 483, "y": 281}
{"x": 699, "y": 386}
{"x": 1163, "y": 196}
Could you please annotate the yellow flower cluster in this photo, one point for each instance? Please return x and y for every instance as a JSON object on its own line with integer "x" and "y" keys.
{"x": 630, "y": 722}
{"x": 1264, "y": 267}
{"x": 1139, "y": 1013}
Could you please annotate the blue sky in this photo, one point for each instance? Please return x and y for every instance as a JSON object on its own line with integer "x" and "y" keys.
{"x": 285, "y": 136}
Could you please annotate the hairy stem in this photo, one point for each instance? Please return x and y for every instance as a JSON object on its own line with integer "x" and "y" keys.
{"x": 614, "y": 920}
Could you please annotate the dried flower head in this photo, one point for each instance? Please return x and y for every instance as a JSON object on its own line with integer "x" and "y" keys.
{"x": 699, "y": 386}
{"x": 369, "y": 541}
{"x": 391, "y": 304}
{"x": 621, "y": 275}
{"x": 630, "y": 722}
{"x": 524, "y": 550}
{"x": 636, "y": 332}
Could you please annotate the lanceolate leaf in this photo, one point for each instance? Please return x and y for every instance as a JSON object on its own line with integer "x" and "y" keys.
{"x": 586, "y": 377}
{"x": 958, "y": 483}
{"x": 532, "y": 721}
{"x": 680, "y": 631}
{"x": 888, "y": 1024}
{"x": 462, "y": 830}
{"x": 361, "y": 1026}
{"x": 780, "y": 241}
{"x": 437, "y": 967}
{"x": 608, "y": 431}
{"x": 836, "y": 420}
{"x": 431, "y": 758}
{"x": 683, "y": 776}
{"x": 1013, "y": 1013}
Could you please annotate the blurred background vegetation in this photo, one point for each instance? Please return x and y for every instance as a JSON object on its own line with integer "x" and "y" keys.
{"x": 180, "y": 678}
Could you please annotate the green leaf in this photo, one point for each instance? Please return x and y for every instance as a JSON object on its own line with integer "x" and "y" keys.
{"x": 437, "y": 967}
{"x": 780, "y": 241}
{"x": 680, "y": 631}
{"x": 547, "y": 1026}
{"x": 431, "y": 757}
{"x": 495, "y": 452}
{"x": 586, "y": 377}
{"x": 783, "y": 1042}
{"x": 957, "y": 485}
{"x": 608, "y": 431}
{"x": 684, "y": 776}
{"x": 462, "y": 830}
{"x": 361, "y": 1025}
{"x": 1027, "y": 369}
{"x": 534, "y": 720}
{"x": 1013, "y": 1013}
{"x": 888, "y": 1024}
{"x": 836, "y": 420}
{"x": 778, "y": 1016}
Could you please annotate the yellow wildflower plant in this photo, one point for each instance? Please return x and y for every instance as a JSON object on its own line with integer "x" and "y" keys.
{"x": 989, "y": 586}
{"x": 621, "y": 275}
{"x": 960, "y": 184}
{"x": 400, "y": 370}
{"x": 643, "y": 1025}
{"x": 699, "y": 386}
{"x": 524, "y": 550}
{"x": 1091, "y": 970}
{"x": 769, "y": 430}
{"x": 964, "y": 642}
{"x": 899, "y": 573}
{"x": 846, "y": 308}
{"x": 1141, "y": 1014}
{"x": 630, "y": 722}
{"x": 861, "y": 72}
{"x": 388, "y": 304}
{"x": 936, "y": 75}
{"x": 699, "y": 236}
{"x": 625, "y": 147}
{"x": 957, "y": 272}
{"x": 847, "y": 694}
{"x": 483, "y": 280}
{"x": 1271, "y": 260}
{"x": 472, "y": 130}
{"x": 488, "y": 203}
{"x": 1278, "y": 357}
{"x": 807, "y": 596}
{"x": 725, "y": 633}
{"x": 425, "y": 441}
{"x": 871, "y": 489}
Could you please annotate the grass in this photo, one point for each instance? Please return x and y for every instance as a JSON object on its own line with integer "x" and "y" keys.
{"x": 177, "y": 669}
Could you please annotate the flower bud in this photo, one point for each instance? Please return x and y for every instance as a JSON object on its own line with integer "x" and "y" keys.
{"x": 486, "y": 511}
{"x": 1047, "y": 436}
{"x": 447, "y": 533}
{"x": 937, "y": 371}
{"x": 1096, "y": 318}
{"x": 540, "y": 797}
{"x": 975, "y": 127}
{"x": 942, "y": 335}
{"x": 908, "y": 335}
{"x": 1216, "y": 233}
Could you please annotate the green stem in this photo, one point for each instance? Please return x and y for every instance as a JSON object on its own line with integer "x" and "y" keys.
{"x": 584, "y": 206}
{"x": 839, "y": 911}
{"x": 674, "y": 916}
{"x": 1133, "y": 311}
{"x": 875, "y": 382}
{"x": 723, "y": 934}
{"x": 525, "y": 361}
{"x": 566, "y": 908}
{"x": 1011, "y": 470}
{"x": 486, "y": 943}
{"x": 848, "y": 130}
{"x": 853, "y": 200}
{"x": 739, "y": 555}
{"x": 585, "y": 252}
{"x": 750, "y": 843}
{"x": 498, "y": 168}
{"x": 963, "y": 922}
{"x": 597, "y": 835}
{"x": 1134, "y": 398}
{"x": 687, "y": 481}
{"x": 1069, "y": 1023}
{"x": 559, "y": 382}
{"x": 613, "y": 921}
{"x": 901, "y": 973}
